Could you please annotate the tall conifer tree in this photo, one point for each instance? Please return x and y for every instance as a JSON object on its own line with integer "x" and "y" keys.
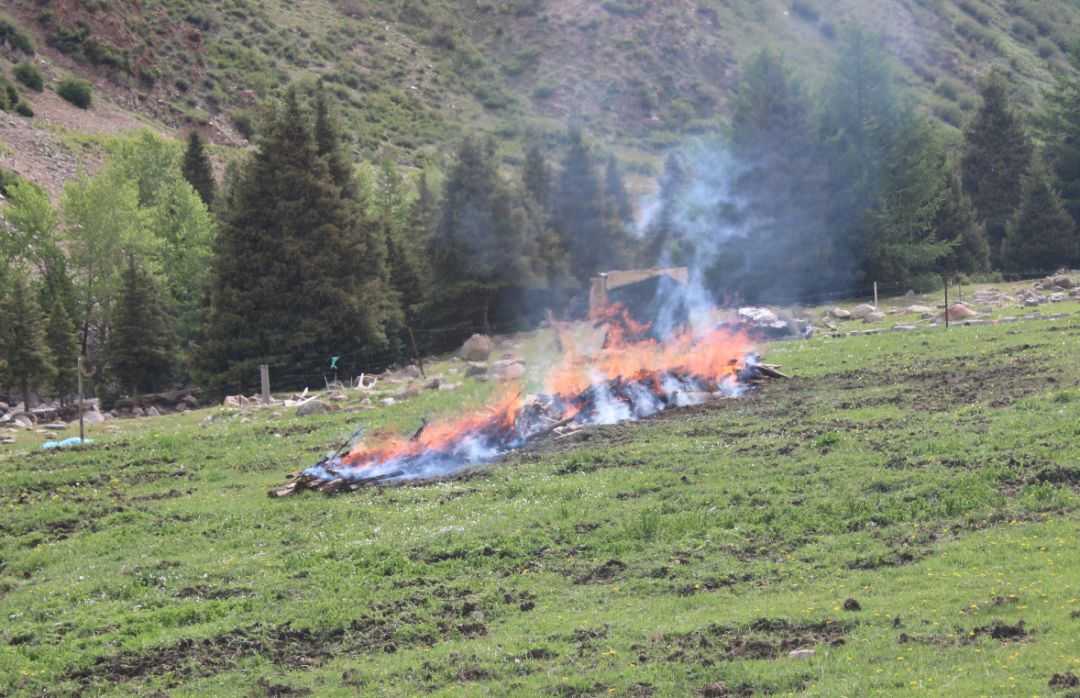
{"x": 63, "y": 341}
{"x": 22, "y": 340}
{"x": 1041, "y": 236}
{"x": 996, "y": 155}
{"x": 956, "y": 222}
{"x": 1062, "y": 133}
{"x": 197, "y": 170}
{"x": 140, "y": 344}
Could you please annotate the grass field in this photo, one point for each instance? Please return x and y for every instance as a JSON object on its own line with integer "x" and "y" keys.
{"x": 906, "y": 506}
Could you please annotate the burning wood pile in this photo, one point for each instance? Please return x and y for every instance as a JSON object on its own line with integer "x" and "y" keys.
{"x": 628, "y": 378}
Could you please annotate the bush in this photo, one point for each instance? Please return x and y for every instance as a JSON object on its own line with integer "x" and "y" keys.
{"x": 9, "y": 95}
{"x": 15, "y": 37}
{"x": 29, "y": 75}
{"x": 1045, "y": 48}
{"x": 77, "y": 91}
{"x": 24, "y": 109}
{"x": 805, "y": 11}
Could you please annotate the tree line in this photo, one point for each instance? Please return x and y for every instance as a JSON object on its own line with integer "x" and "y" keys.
{"x": 830, "y": 190}
{"x": 299, "y": 257}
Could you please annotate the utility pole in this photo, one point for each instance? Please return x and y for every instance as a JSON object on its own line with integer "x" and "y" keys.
{"x": 946, "y": 300}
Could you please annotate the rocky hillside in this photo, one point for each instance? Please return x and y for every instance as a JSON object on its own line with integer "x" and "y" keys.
{"x": 413, "y": 74}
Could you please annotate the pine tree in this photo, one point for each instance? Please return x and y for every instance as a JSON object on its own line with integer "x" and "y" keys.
{"x": 663, "y": 243}
{"x": 197, "y": 170}
{"x": 956, "y": 222}
{"x": 1041, "y": 236}
{"x": 1061, "y": 131}
{"x": 63, "y": 341}
{"x": 22, "y": 340}
{"x": 584, "y": 219}
{"x": 996, "y": 155}
{"x": 139, "y": 348}
{"x": 536, "y": 178}
{"x": 787, "y": 251}
{"x": 296, "y": 278}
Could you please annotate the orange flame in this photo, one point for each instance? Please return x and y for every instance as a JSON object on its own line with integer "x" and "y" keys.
{"x": 710, "y": 357}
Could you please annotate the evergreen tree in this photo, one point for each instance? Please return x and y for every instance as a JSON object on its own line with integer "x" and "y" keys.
{"x": 139, "y": 348}
{"x": 663, "y": 245}
{"x": 1041, "y": 236}
{"x": 956, "y": 222}
{"x": 901, "y": 243}
{"x": 1062, "y": 135}
{"x": 486, "y": 245}
{"x": 295, "y": 280}
{"x": 536, "y": 178}
{"x": 786, "y": 252}
{"x": 63, "y": 342}
{"x": 584, "y": 219}
{"x": 22, "y": 340}
{"x": 615, "y": 189}
{"x": 996, "y": 155}
{"x": 197, "y": 170}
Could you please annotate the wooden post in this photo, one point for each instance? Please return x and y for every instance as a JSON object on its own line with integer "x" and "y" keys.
{"x": 416, "y": 351}
{"x": 264, "y": 377}
{"x": 875, "y": 295}
{"x": 946, "y": 300}
{"x": 79, "y": 371}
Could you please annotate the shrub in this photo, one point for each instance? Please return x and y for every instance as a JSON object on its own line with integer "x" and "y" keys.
{"x": 1045, "y": 48}
{"x": 24, "y": 109}
{"x": 804, "y": 10}
{"x": 77, "y": 91}
{"x": 975, "y": 10}
{"x": 29, "y": 75}
{"x": 9, "y": 95}
{"x": 13, "y": 36}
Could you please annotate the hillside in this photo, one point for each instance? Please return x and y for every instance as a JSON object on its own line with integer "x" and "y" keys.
{"x": 413, "y": 75}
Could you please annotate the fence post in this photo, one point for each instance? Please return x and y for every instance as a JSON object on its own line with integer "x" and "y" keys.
{"x": 78, "y": 367}
{"x": 946, "y": 276}
{"x": 264, "y": 377}
{"x": 875, "y": 295}
{"x": 419, "y": 361}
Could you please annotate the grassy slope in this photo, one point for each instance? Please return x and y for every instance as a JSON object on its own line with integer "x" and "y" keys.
{"x": 932, "y": 476}
{"x": 413, "y": 74}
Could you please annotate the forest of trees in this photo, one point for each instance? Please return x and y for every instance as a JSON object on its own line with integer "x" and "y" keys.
{"x": 160, "y": 273}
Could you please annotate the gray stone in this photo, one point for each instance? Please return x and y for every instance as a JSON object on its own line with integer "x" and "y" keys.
{"x": 513, "y": 372}
{"x": 387, "y": 401}
{"x": 137, "y": 412}
{"x": 840, "y": 313}
{"x": 1058, "y": 297}
{"x": 4, "y": 407}
{"x": 93, "y": 417}
{"x": 861, "y": 311}
{"x": 476, "y": 348}
{"x": 152, "y": 412}
{"x": 876, "y": 316}
{"x": 181, "y": 407}
{"x": 433, "y": 384}
{"x": 801, "y": 654}
{"x": 449, "y": 386}
{"x": 918, "y": 309}
{"x": 476, "y": 368}
{"x": 316, "y": 406}
{"x": 412, "y": 371}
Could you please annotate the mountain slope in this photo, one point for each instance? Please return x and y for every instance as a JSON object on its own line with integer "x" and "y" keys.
{"x": 412, "y": 75}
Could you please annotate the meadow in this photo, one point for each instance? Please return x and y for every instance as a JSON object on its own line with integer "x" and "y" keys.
{"x": 905, "y": 506}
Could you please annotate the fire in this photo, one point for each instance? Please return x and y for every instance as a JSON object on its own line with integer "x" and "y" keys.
{"x": 632, "y": 375}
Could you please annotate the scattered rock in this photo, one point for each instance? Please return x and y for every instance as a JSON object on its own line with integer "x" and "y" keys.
{"x": 22, "y": 421}
{"x": 801, "y": 654}
{"x": 152, "y": 412}
{"x": 137, "y": 412}
{"x": 4, "y": 407}
{"x": 1058, "y": 297}
{"x": 840, "y": 314}
{"x": 411, "y": 390}
{"x": 315, "y": 406}
{"x": 476, "y": 348}
{"x": 449, "y": 386}
{"x": 181, "y": 407}
{"x": 93, "y": 417}
{"x": 476, "y": 368}
{"x": 433, "y": 384}
{"x": 387, "y": 401}
{"x": 876, "y": 316}
{"x": 1062, "y": 281}
{"x": 7, "y": 439}
{"x": 861, "y": 311}
{"x": 513, "y": 372}
{"x": 412, "y": 371}
{"x": 51, "y": 435}
{"x": 918, "y": 310}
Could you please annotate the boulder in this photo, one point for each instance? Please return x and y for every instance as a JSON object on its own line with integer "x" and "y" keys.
{"x": 449, "y": 386}
{"x": 433, "y": 384}
{"x": 801, "y": 654}
{"x": 958, "y": 311}
{"x": 181, "y": 407}
{"x": 190, "y": 400}
{"x": 1062, "y": 281}
{"x": 918, "y": 310}
{"x": 840, "y": 313}
{"x": 4, "y": 407}
{"x": 152, "y": 412}
{"x": 93, "y": 417}
{"x": 315, "y": 406}
{"x": 22, "y": 421}
{"x": 513, "y": 372}
{"x": 476, "y": 348}
{"x": 411, "y": 390}
{"x": 861, "y": 311}
{"x": 387, "y": 401}
{"x": 1058, "y": 297}
{"x": 137, "y": 412}
{"x": 412, "y": 371}
{"x": 876, "y": 316}
{"x": 7, "y": 439}
{"x": 476, "y": 368}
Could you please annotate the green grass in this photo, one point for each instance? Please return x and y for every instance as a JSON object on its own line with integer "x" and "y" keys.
{"x": 931, "y": 476}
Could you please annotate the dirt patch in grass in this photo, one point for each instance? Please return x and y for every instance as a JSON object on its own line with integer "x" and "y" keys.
{"x": 604, "y": 574}
{"x": 1066, "y": 680}
{"x": 284, "y": 645}
{"x": 763, "y": 639}
{"x": 1003, "y": 631}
